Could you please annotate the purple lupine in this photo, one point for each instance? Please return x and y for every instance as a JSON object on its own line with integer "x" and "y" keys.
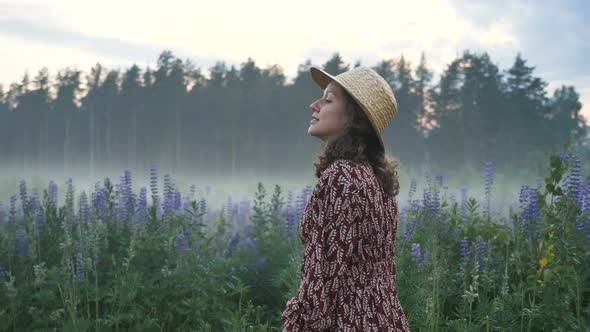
{"x": 141, "y": 211}
{"x": 463, "y": 206}
{"x": 95, "y": 248}
{"x": 168, "y": 204}
{"x": 439, "y": 179}
{"x": 177, "y": 200}
{"x": 300, "y": 203}
{"x": 435, "y": 204}
{"x": 80, "y": 273}
{"x": 565, "y": 157}
{"x": 154, "y": 182}
{"x": 481, "y": 252}
{"x": 99, "y": 200}
{"x": 417, "y": 253}
{"x": 52, "y": 192}
{"x": 229, "y": 207}
{"x": 464, "y": 245}
{"x": 411, "y": 225}
{"x": 533, "y": 212}
{"x": 412, "y": 191}
{"x": 575, "y": 183}
{"x": 2, "y": 214}
{"x": 192, "y": 191}
{"x": 233, "y": 243}
{"x": 21, "y": 244}
{"x": 85, "y": 207}
{"x": 23, "y": 196}
{"x": 38, "y": 215}
{"x": 586, "y": 211}
{"x": 290, "y": 222}
{"x": 489, "y": 180}
{"x": 428, "y": 255}
{"x": 202, "y": 208}
{"x": 12, "y": 212}
{"x": 452, "y": 198}
{"x": 181, "y": 243}
{"x": 426, "y": 193}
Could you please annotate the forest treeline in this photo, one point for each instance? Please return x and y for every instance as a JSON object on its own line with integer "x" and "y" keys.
{"x": 237, "y": 119}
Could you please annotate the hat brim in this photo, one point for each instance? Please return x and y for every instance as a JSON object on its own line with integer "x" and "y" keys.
{"x": 323, "y": 78}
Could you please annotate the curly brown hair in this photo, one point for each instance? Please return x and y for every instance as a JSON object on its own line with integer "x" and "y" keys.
{"x": 360, "y": 142}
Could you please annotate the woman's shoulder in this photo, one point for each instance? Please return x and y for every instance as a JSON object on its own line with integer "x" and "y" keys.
{"x": 345, "y": 171}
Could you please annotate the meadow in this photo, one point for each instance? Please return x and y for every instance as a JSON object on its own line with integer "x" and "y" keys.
{"x": 161, "y": 260}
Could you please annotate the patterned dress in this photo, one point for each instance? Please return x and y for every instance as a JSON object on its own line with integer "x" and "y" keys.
{"x": 348, "y": 273}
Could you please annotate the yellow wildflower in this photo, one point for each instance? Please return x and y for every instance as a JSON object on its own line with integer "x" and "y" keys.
{"x": 543, "y": 262}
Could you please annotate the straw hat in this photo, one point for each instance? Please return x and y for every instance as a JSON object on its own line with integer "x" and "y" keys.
{"x": 369, "y": 89}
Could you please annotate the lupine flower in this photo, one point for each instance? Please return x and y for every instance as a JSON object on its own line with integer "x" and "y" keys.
{"x": 229, "y": 207}
{"x": 80, "y": 273}
{"x": 463, "y": 206}
{"x": 575, "y": 183}
{"x": 452, "y": 198}
{"x": 38, "y": 215}
{"x": 439, "y": 179}
{"x": 21, "y": 244}
{"x": 435, "y": 204}
{"x": 531, "y": 213}
{"x": 481, "y": 252}
{"x": 412, "y": 192}
{"x": 426, "y": 193}
{"x": 181, "y": 244}
{"x": 565, "y": 157}
{"x": 85, "y": 207}
{"x": 417, "y": 253}
{"x": 168, "y": 205}
{"x": 52, "y": 192}
{"x": 141, "y": 211}
{"x": 233, "y": 243}
{"x": 2, "y": 214}
{"x": 12, "y": 212}
{"x": 464, "y": 249}
{"x": 154, "y": 182}
{"x": 290, "y": 221}
{"x": 23, "y": 195}
{"x": 300, "y": 204}
{"x": 202, "y": 205}
{"x": 177, "y": 200}
{"x": 99, "y": 200}
{"x": 126, "y": 196}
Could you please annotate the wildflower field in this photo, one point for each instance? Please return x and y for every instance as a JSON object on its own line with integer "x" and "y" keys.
{"x": 115, "y": 260}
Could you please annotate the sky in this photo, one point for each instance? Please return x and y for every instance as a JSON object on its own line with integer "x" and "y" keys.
{"x": 552, "y": 36}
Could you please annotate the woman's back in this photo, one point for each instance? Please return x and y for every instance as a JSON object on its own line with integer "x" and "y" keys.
{"x": 348, "y": 274}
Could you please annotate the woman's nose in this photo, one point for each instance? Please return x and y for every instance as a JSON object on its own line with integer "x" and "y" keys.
{"x": 314, "y": 105}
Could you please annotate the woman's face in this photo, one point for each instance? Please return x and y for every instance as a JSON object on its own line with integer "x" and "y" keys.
{"x": 330, "y": 112}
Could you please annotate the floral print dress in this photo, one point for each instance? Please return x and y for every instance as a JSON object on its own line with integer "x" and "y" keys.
{"x": 348, "y": 273}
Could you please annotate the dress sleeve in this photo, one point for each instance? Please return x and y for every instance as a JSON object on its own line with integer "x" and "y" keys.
{"x": 328, "y": 252}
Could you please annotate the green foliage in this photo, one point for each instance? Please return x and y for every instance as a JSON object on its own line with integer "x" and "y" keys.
{"x": 183, "y": 272}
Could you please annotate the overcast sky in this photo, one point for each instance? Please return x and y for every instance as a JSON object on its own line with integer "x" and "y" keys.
{"x": 553, "y": 36}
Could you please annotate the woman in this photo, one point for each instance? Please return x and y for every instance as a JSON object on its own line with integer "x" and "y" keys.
{"x": 348, "y": 227}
